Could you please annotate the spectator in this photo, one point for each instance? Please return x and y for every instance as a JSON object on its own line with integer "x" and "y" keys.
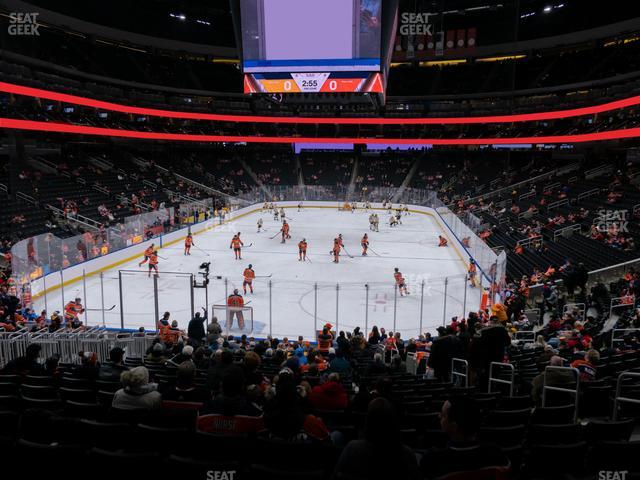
{"x": 185, "y": 389}
{"x": 377, "y": 367}
{"x": 339, "y": 364}
{"x": 137, "y": 393}
{"x": 359, "y": 459}
{"x": 232, "y": 399}
{"x": 443, "y": 349}
{"x": 329, "y": 395}
{"x": 557, "y": 378}
{"x": 27, "y": 364}
{"x": 110, "y": 371}
{"x": 220, "y": 369}
{"x": 285, "y": 419}
{"x": 460, "y": 420}
{"x": 195, "y": 329}
{"x": 587, "y": 366}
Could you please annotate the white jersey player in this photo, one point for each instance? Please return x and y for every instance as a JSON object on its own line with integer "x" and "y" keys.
{"x": 259, "y": 225}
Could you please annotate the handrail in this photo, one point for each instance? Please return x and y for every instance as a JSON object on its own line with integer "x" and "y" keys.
{"x": 588, "y": 193}
{"x": 464, "y": 375}
{"x": 150, "y": 184}
{"x": 81, "y": 219}
{"x": 561, "y": 232}
{"x": 613, "y": 334}
{"x": 618, "y": 399}
{"x": 558, "y": 203}
{"x": 493, "y": 379}
{"x": 574, "y": 391}
{"x": 26, "y": 198}
{"x": 526, "y": 336}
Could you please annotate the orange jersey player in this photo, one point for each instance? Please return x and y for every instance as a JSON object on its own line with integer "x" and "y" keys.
{"x": 365, "y": 244}
{"x": 285, "y": 231}
{"x": 153, "y": 263}
{"x": 147, "y": 254}
{"x": 235, "y": 302}
{"x": 442, "y": 242}
{"x": 71, "y": 312}
{"x": 248, "y": 275}
{"x": 302, "y": 250}
{"x": 236, "y": 244}
{"x": 187, "y": 244}
{"x": 400, "y": 282}
{"x": 340, "y": 241}
{"x": 472, "y": 273}
{"x": 335, "y": 251}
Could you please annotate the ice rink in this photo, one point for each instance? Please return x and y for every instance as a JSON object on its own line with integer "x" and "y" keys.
{"x": 291, "y": 297}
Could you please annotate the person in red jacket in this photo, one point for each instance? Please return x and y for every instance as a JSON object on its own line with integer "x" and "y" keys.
{"x": 329, "y": 395}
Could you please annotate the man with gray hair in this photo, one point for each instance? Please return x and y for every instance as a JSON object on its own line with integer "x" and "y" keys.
{"x": 557, "y": 378}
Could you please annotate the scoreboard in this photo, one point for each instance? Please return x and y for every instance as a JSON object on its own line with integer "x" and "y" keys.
{"x": 306, "y": 46}
{"x": 313, "y": 82}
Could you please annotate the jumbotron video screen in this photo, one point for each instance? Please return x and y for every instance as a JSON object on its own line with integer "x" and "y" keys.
{"x": 303, "y": 46}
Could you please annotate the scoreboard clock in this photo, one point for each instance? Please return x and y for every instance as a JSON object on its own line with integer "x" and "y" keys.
{"x": 313, "y": 82}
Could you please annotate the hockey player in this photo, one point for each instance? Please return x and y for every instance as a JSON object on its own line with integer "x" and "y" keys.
{"x": 265, "y": 207}
{"x": 276, "y": 214}
{"x": 302, "y": 250}
{"x": 365, "y": 244}
{"x": 300, "y": 206}
{"x": 367, "y": 206}
{"x": 472, "y": 272}
{"x": 335, "y": 251}
{"x": 236, "y": 245}
{"x": 147, "y": 253}
{"x": 285, "y": 232}
{"x": 259, "y": 224}
{"x": 248, "y": 275}
{"x": 235, "y": 302}
{"x": 71, "y": 312}
{"x": 400, "y": 282}
{"x": 354, "y": 206}
{"x": 371, "y": 222}
{"x": 376, "y": 222}
{"x": 282, "y": 214}
{"x": 442, "y": 242}
{"x": 187, "y": 244}
{"x": 153, "y": 263}
{"x": 393, "y": 221}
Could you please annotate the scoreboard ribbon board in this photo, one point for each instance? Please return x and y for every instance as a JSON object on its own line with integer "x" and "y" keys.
{"x": 313, "y": 82}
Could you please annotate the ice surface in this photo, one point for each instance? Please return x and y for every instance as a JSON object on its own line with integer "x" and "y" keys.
{"x": 297, "y": 308}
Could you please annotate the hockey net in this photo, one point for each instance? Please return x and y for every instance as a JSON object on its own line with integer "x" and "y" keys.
{"x": 236, "y": 320}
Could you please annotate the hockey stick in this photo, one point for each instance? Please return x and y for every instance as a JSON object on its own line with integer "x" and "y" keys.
{"x": 264, "y": 276}
{"x": 99, "y": 309}
{"x": 345, "y": 251}
{"x": 374, "y": 252}
{"x": 247, "y": 246}
{"x": 163, "y": 258}
{"x": 271, "y": 238}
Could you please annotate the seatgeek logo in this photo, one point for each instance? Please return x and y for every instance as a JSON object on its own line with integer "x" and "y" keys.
{"x": 415, "y": 24}
{"x": 23, "y": 24}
